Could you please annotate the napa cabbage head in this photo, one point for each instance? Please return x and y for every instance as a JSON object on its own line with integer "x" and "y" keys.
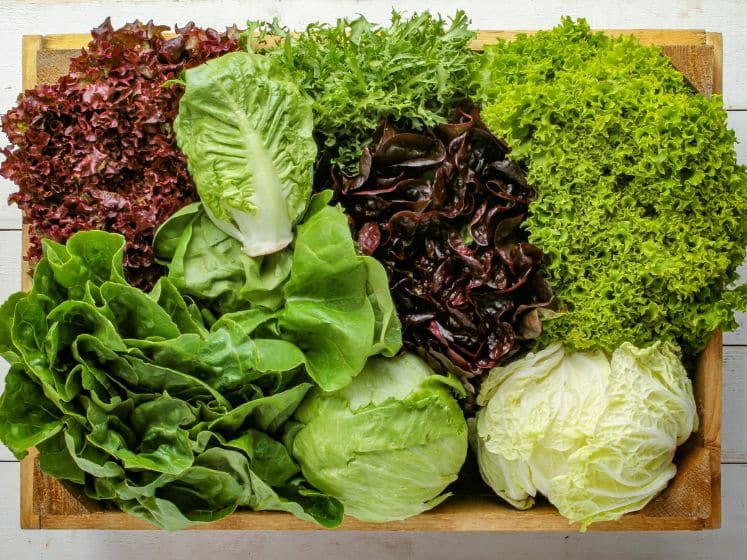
{"x": 595, "y": 435}
{"x": 247, "y": 135}
{"x": 386, "y": 445}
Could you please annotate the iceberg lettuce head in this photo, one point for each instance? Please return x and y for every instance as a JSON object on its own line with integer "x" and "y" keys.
{"x": 595, "y": 435}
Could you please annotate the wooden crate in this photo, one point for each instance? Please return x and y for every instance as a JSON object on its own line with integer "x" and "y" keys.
{"x": 691, "y": 502}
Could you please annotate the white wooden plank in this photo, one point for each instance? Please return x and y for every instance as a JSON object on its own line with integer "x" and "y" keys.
{"x": 10, "y": 481}
{"x": 739, "y": 336}
{"x": 733, "y": 433}
{"x": 724, "y": 544}
{"x": 737, "y": 121}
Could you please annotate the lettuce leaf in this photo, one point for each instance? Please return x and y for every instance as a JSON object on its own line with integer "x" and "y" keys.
{"x": 247, "y": 133}
{"x": 131, "y": 394}
{"x": 329, "y": 304}
{"x": 414, "y": 71}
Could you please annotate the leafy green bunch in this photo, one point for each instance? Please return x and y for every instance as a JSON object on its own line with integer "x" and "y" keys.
{"x": 130, "y": 394}
{"x": 412, "y": 72}
{"x": 642, "y": 208}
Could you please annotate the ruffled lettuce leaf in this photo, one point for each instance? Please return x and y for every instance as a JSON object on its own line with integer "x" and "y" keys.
{"x": 642, "y": 207}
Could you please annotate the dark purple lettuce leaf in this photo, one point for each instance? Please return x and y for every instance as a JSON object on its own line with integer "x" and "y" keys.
{"x": 442, "y": 210}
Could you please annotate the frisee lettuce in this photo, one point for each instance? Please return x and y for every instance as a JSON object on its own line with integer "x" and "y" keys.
{"x": 412, "y": 72}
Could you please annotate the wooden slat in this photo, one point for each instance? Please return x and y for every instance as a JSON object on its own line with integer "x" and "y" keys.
{"x": 29, "y": 511}
{"x": 726, "y": 544}
{"x": 31, "y": 45}
{"x": 708, "y": 397}
{"x": 75, "y": 41}
{"x": 458, "y": 514}
{"x": 716, "y": 41}
{"x": 696, "y": 63}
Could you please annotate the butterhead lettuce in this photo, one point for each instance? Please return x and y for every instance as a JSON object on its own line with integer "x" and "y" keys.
{"x": 595, "y": 435}
{"x": 332, "y": 304}
{"x": 131, "y": 395}
{"x": 386, "y": 445}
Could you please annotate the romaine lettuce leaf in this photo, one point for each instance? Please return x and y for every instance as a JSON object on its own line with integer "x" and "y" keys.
{"x": 247, "y": 133}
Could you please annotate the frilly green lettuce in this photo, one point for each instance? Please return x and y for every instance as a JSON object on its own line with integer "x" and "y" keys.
{"x": 595, "y": 435}
{"x": 642, "y": 208}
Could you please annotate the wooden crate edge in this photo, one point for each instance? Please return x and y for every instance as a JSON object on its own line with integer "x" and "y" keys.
{"x": 648, "y": 36}
{"x": 32, "y": 515}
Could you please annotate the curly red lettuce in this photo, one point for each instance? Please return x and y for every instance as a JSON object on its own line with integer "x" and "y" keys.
{"x": 95, "y": 150}
{"x": 442, "y": 210}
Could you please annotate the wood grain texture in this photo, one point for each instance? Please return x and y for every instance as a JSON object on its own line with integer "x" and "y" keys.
{"x": 708, "y": 398}
{"x": 30, "y": 517}
{"x": 716, "y": 40}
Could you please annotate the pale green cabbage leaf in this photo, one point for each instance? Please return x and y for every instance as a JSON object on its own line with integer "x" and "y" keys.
{"x": 595, "y": 435}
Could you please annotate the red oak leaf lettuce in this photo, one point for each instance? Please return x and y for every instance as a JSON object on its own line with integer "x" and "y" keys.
{"x": 442, "y": 210}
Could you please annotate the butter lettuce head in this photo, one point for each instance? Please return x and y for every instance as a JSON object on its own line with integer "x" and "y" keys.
{"x": 132, "y": 396}
{"x": 330, "y": 303}
{"x": 595, "y": 435}
{"x": 388, "y": 444}
{"x": 247, "y": 135}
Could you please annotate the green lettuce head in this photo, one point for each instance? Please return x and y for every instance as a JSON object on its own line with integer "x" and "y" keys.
{"x": 386, "y": 445}
{"x": 595, "y": 436}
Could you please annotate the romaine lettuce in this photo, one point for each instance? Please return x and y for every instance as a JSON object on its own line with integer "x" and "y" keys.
{"x": 247, "y": 134}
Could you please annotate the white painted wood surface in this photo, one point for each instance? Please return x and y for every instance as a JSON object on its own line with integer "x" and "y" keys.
{"x": 19, "y": 17}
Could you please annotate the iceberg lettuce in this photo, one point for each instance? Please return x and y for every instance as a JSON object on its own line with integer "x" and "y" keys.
{"x": 387, "y": 444}
{"x": 595, "y": 435}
